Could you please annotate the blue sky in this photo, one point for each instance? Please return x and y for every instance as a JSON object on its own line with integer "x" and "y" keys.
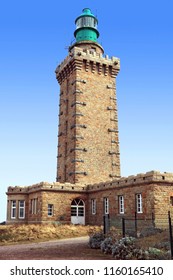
{"x": 34, "y": 36}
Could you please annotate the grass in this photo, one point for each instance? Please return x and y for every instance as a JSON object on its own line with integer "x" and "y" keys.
{"x": 153, "y": 240}
{"x": 10, "y": 234}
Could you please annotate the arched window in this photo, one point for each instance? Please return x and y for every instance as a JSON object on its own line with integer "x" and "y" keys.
{"x": 78, "y": 211}
{"x": 77, "y": 207}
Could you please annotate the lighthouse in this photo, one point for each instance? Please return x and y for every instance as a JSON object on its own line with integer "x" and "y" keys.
{"x": 88, "y": 138}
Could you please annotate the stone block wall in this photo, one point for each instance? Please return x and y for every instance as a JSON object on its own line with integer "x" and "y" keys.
{"x": 88, "y": 141}
{"x": 155, "y": 188}
{"x": 61, "y": 202}
{"x": 156, "y": 191}
{"x": 129, "y": 193}
{"x": 42, "y": 194}
{"x": 163, "y": 202}
{"x": 17, "y": 194}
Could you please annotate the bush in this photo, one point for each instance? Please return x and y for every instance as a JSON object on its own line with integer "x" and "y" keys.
{"x": 109, "y": 241}
{"x": 106, "y": 245}
{"x": 96, "y": 239}
{"x": 125, "y": 249}
{"x": 156, "y": 254}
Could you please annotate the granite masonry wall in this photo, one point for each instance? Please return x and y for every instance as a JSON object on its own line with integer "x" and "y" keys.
{"x": 155, "y": 188}
{"x": 88, "y": 142}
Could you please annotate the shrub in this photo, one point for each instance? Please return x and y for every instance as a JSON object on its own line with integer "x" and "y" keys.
{"x": 156, "y": 254}
{"x": 126, "y": 249}
{"x": 96, "y": 239}
{"x": 106, "y": 245}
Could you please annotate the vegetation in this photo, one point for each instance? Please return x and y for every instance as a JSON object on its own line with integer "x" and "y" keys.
{"x": 130, "y": 248}
{"x": 26, "y": 233}
{"x": 153, "y": 246}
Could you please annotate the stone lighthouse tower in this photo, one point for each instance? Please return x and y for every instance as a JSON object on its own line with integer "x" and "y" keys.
{"x": 88, "y": 140}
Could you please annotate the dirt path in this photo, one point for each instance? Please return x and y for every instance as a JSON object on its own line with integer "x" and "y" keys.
{"x": 69, "y": 249}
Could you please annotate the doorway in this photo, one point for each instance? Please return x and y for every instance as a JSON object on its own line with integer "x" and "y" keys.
{"x": 78, "y": 212}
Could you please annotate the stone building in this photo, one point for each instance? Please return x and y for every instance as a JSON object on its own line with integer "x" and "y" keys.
{"x": 88, "y": 183}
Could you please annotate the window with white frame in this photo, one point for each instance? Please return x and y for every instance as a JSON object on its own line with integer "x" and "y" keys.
{"x": 139, "y": 203}
{"x": 93, "y": 206}
{"x": 121, "y": 204}
{"x": 21, "y": 209}
{"x": 13, "y": 209}
{"x": 50, "y": 210}
{"x": 106, "y": 205}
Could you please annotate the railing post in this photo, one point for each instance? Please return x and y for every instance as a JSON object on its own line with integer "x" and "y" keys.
{"x": 153, "y": 219}
{"x": 104, "y": 224}
{"x": 123, "y": 227}
{"x": 109, "y": 223}
{"x": 170, "y": 234}
{"x": 136, "y": 227}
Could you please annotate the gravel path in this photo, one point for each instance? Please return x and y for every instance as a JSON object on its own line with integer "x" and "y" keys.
{"x": 69, "y": 249}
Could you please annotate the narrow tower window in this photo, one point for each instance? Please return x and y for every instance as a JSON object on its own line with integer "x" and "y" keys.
{"x": 65, "y": 173}
{"x": 67, "y": 86}
{"x": 66, "y": 106}
{"x": 66, "y": 127}
{"x": 65, "y": 149}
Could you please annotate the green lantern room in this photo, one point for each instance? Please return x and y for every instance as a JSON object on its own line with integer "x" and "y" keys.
{"x": 86, "y": 27}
